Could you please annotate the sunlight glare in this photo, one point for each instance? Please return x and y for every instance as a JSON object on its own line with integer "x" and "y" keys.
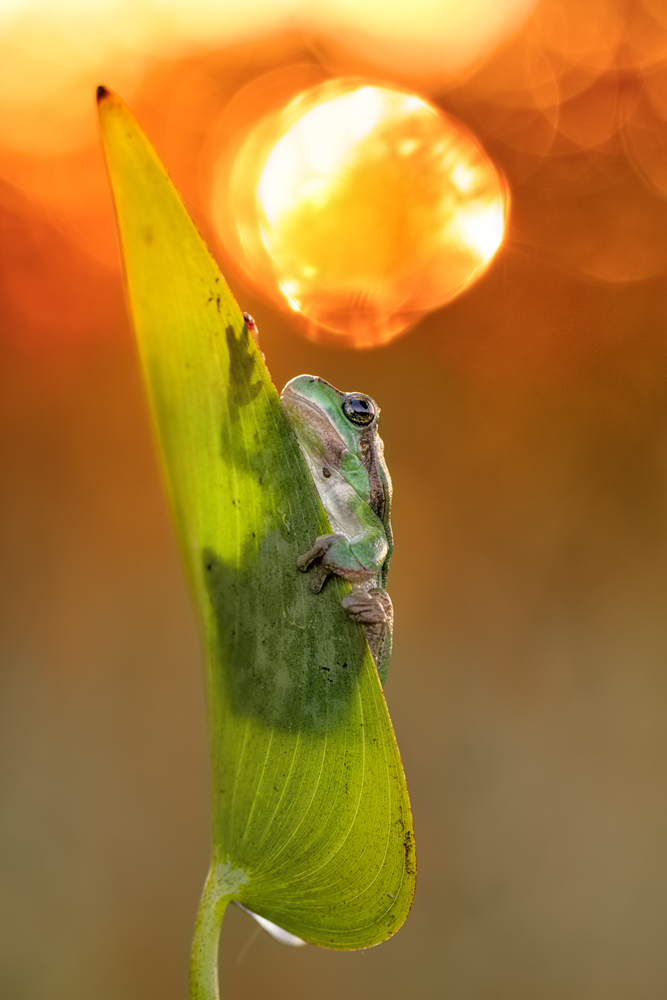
{"x": 481, "y": 228}
{"x": 315, "y": 149}
{"x": 369, "y": 207}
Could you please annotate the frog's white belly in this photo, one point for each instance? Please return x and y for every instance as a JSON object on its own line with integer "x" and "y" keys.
{"x": 337, "y": 498}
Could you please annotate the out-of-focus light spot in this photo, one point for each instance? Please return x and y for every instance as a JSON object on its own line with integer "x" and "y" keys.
{"x": 556, "y": 93}
{"x": 287, "y": 288}
{"x": 407, "y": 146}
{"x": 361, "y": 208}
{"x": 462, "y": 177}
{"x": 316, "y": 147}
{"x": 423, "y": 36}
{"x": 482, "y": 229}
{"x": 9, "y": 8}
{"x": 53, "y": 53}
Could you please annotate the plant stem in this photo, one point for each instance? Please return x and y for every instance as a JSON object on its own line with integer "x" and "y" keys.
{"x": 205, "y": 943}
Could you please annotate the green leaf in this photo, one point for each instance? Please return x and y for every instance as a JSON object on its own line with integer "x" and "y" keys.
{"x": 311, "y": 818}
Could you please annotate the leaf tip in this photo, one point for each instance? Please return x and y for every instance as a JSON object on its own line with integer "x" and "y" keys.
{"x": 102, "y": 93}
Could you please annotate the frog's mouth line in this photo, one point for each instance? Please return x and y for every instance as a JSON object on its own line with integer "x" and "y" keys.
{"x": 309, "y": 417}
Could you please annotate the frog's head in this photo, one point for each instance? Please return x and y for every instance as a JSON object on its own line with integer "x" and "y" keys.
{"x": 331, "y": 420}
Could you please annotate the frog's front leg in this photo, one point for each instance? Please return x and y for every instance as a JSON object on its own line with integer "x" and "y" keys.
{"x": 360, "y": 562}
{"x": 335, "y": 556}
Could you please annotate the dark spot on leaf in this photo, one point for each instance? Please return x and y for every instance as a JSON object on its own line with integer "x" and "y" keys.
{"x": 407, "y": 847}
{"x": 148, "y": 235}
{"x": 217, "y": 302}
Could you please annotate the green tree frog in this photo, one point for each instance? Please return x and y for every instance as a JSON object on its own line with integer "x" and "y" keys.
{"x": 338, "y": 436}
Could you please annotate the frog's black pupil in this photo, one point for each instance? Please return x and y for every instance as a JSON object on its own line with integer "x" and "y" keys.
{"x": 359, "y": 410}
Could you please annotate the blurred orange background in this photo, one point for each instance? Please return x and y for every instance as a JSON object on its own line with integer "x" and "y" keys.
{"x": 525, "y": 426}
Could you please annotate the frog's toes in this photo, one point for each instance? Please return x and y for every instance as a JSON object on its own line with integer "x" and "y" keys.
{"x": 321, "y": 571}
{"x": 321, "y": 546}
{"x": 304, "y": 561}
{"x": 318, "y": 578}
{"x": 367, "y": 608}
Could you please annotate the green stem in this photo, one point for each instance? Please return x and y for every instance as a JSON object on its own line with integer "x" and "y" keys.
{"x": 205, "y": 944}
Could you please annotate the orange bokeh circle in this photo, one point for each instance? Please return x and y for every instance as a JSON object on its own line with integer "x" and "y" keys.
{"x": 360, "y": 207}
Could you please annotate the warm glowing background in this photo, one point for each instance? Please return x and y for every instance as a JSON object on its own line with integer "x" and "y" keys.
{"x": 526, "y": 431}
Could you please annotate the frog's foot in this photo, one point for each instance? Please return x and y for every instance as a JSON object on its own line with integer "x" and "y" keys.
{"x": 318, "y": 577}
{"x": 373, "y": 609}
{"x": 322, "y": 545}
{"x": 334, "y": 555}
{"x": 368, "y": 607}
{"x": 321, "y": 572}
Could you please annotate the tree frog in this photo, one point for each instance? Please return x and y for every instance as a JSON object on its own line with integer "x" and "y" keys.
{"x": 337, "y": 434}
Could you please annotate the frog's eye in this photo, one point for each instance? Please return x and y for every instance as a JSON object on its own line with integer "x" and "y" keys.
{"x": 359, "y": 410}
